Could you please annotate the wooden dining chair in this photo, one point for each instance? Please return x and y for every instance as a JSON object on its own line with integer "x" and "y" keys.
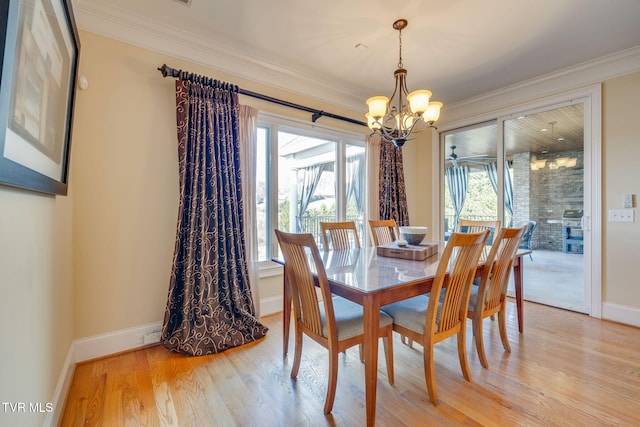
{"x": 476, "y": 226}
{"x": 429, "y": 319}
{"x": 383, "y": 231}
{"x": 342, "y": 235}
{"x": 492, "y": 288}
{"x": 335, "y": 323}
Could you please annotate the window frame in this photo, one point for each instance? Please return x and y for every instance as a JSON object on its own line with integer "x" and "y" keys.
{"x": 274, "y": 124}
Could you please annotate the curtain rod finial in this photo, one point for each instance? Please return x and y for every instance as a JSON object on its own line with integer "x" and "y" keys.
{"x": 167, "y": 71}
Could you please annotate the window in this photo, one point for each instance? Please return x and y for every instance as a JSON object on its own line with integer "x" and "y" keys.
{"x": 306, "y": 176}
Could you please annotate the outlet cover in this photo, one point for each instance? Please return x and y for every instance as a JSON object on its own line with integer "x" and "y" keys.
{"x": 621, "y": 215}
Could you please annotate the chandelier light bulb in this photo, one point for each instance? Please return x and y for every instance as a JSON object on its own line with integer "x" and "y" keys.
{"x": 433, "y": 112}
{"x": 419, "y": 101}
{"x": 378, "y": 106}
{"x": 372, "y": 122}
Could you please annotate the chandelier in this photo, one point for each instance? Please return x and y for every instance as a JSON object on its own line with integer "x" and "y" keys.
{"x": 393, "y": 118}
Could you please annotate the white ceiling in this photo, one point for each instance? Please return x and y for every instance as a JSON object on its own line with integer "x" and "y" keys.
{"x": 458, "y": 49}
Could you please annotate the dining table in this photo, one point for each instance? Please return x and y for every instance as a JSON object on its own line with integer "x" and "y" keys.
{"x": 371, "y": 280}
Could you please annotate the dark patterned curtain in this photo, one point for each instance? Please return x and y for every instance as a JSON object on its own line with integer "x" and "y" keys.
{"x": 393, "y": 197}
{"x": 209, "y": 308}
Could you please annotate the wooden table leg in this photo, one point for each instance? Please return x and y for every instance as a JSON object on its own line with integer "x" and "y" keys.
{"x": 286, "y": 313}
{"x": 371, "y": 306}
{"x": 518, "y": 278}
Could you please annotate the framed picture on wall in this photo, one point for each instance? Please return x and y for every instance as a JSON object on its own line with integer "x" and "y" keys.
{"x": 39, "y": 64}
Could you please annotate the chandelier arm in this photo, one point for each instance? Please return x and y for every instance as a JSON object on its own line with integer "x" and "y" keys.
{"x": 393, "y": 96}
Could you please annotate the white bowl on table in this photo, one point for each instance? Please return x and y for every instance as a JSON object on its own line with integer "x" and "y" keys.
{"x": 413, "y": 235}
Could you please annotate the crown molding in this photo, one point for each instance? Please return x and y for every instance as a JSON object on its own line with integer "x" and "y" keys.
{"x": 115, "y": 23}
{"x": 577, "y": 76}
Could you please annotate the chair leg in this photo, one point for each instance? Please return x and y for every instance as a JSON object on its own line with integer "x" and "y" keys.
{"x": 502, "y": 323}
{"x": 387, "y": 343}
{"x": 333, "y": 380}
{"x": 462, "y": 353}
{"x": 406, "y": 341}
{"x": 429, "y": 373}
{"x": 479, "y": 340}
{"x": 297, "y": 354}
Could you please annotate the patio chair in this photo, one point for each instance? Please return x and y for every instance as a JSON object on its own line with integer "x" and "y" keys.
{"x": 335, "y": 323}
{"x": 528, "y": 234}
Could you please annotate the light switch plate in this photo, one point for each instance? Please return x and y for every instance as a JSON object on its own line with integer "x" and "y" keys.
{"x": 627, "y": 201}
{"x": 621, "y": 215}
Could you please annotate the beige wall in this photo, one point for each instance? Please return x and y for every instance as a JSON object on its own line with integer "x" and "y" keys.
{"x": 36, "y": 301}
{"x": 621, "y": 147}
{"x": 126, "y": 181}
{"x": 419, "y": 177}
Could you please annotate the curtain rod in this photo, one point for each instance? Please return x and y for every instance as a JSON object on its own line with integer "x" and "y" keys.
{"x": 172, "y": 72}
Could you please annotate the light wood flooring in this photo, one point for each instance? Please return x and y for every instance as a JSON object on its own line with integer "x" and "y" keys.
{"x": 565, "y": 370}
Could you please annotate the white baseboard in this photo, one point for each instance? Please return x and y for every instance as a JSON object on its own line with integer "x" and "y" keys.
{"x": 116, "y": 341}
{"x": 61, "y": 391}
{"x": 131, "y": 338}
{"x": 271, "y": 305}
{"x": 621, "y": 314}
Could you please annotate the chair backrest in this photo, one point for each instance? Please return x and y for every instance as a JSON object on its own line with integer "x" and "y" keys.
{"x": 476, "y": 226}
{"x": 460, "y": 257}
{"x": 494, "y": 281}
{"x": 383, "y": 231}
{"x": 300, "y": 254}
{"x": 342, "y": 235}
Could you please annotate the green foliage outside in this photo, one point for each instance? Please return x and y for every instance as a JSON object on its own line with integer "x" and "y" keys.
{"x": 481, "y": 201}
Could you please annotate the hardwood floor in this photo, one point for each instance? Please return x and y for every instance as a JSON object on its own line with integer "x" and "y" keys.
{"x": 566, "y": 369}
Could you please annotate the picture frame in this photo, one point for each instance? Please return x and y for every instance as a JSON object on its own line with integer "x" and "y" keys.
{"x": 39, "y": 66}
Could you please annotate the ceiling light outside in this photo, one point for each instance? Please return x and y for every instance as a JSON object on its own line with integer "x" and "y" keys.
{"x": 559, "y": 162}
{"x": 396, "y": 118}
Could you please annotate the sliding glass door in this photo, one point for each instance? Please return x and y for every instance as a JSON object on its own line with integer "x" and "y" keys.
{"x": 537, "y": 161}
{"x": 545, "y": 153}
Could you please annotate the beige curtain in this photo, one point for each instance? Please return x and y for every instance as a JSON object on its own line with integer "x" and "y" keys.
{"x": 247, "y": 133}
{"x": 372, "y": 179}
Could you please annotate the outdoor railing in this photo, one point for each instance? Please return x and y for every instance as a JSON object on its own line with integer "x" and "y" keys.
{"x": 450, "y": 220}
{"x": 311, "y": 224}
